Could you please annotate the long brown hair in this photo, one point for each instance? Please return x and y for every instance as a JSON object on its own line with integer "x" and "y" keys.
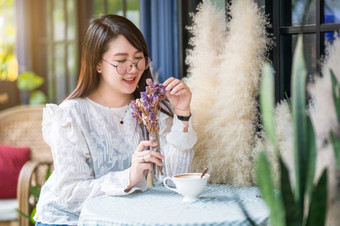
{"x": 98, "y": 36}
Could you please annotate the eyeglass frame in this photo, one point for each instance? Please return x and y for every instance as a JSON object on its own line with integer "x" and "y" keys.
{"x": 132, "y": 63}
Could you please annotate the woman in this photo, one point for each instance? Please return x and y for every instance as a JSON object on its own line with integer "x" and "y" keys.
{"x": 97, "y": 146}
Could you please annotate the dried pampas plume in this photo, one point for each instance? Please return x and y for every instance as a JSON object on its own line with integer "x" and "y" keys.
{"x": 324, "y": 119}
{"x": 227, "y": 126}
{"x": 209, "y": 31}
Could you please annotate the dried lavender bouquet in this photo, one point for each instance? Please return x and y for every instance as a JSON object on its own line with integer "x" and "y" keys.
{"x": 146, "y": 110}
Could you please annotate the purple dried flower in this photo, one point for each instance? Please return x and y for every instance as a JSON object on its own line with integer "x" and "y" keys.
{"x": 151, "y": 116}
{"x": 146, "y": 109}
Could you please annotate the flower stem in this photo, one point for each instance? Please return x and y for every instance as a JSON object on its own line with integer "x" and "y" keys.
{"x": 157, "y": 170}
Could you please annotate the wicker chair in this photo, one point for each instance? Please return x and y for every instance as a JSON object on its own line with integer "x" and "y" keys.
{"x": 21, "y": 126}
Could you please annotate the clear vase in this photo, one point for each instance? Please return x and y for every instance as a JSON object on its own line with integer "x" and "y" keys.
{"x": 157, "y": 172}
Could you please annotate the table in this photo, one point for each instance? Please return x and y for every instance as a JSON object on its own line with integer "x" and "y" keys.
{"x": 159, "y": 206}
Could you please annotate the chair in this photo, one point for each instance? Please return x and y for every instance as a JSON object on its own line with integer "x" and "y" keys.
{"x": 21, "y": 126}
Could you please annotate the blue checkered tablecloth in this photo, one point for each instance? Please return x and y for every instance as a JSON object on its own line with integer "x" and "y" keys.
{"x": 218, "y": 205}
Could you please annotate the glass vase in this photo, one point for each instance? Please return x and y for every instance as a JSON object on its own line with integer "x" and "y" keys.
{"x": 157, "y": 172}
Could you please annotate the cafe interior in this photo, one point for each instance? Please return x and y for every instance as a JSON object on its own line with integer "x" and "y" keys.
{"x": 264, "y": 77}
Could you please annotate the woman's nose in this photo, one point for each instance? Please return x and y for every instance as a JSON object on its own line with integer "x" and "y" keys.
{"x": 133, "y": 68}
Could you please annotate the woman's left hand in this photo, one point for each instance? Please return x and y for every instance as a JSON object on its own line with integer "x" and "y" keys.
{"x": 179, "y": 95}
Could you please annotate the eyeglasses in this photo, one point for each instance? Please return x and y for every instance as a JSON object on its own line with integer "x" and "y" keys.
{"x": 125, "y": 66}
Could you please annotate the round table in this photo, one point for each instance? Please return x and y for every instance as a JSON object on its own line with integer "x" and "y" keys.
{"x": 218, "y": 205}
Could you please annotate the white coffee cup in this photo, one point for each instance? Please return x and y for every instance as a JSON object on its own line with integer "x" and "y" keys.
{"x": 190, "y": 185}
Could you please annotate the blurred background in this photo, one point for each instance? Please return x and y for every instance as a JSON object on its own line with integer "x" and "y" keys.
{"x": 40, "y": 40}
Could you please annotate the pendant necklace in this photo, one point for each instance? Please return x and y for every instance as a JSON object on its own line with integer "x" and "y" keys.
{"x": 121, "y": 119}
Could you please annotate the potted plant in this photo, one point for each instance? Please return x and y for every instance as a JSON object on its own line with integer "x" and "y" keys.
{"x": 305, "y": 202}
{"x": 28, "y": 83}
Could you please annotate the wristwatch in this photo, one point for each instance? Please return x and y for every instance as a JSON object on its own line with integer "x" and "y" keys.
{"x": 184, "y": 118}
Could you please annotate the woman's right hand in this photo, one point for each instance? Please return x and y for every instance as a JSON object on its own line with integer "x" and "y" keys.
{"x": 141, "y": 162}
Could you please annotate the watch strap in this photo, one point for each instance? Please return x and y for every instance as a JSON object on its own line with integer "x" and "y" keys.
{"x": 183, "y": 118}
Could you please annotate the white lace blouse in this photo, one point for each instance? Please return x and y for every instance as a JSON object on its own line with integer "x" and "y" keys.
{"x": 92, "y": 155}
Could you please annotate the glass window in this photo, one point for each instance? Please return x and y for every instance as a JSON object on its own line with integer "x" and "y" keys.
{"x": 132, "y": 11}
{"x": 309, "y": 51}
{"x": 306, "y": 17}
{"x": 115, "y": 7}
{"x": 58, "y": 20}
{"x": 71, "y": 26}
{"x": 127, "y": 8}
{"x": 98, "y": 7}
{"x": 332, "y": 11}
{"x": 299, "y": 7}
{"x": 72, "y": 58}
{"x": 60, "y": 71}
{"x": 219, "y": 3}
{"x": 8, "y": 61}
{"x": 329, "y": 37}
{"x": 62, "y": 49}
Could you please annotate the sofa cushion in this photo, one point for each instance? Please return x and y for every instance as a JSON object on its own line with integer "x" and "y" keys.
{"x": 8, "y": 209}
{"x": 11, "y": 161}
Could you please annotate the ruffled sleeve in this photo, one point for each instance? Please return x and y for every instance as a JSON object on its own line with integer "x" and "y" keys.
{"x": 176, "y": 145}
{"x": 73, "y": 178}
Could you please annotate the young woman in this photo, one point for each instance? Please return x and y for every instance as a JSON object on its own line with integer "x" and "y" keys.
{"x": 98, "y": 147}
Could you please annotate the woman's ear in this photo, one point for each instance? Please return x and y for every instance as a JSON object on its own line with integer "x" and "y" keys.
{"x": 99, "y": 69}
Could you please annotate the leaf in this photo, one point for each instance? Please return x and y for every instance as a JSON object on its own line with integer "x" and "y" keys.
{"x": 266, "y": 186}
{"x": 293, "y": 213}
{"x": 299, "y": 120}
{"x": 48, "y": 172}
{"x": 37, "y": 97}
{"x": 289, "y": 102}
{"x": 29, "y": 81}
{"x": 32, "y": 215}
{"x": 267, "y": 102}
{"x": 35, "y": 190}
{"x": 318, "y": 206}
{"x": 336, "y": 147}
{"x": 311, "y": 159}
{"x": 336, "y": 99}
{"x": 336, "y": 94}
{"x": 23, "y": 214}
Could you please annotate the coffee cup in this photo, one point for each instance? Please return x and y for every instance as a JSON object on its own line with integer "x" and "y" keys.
{"x": 189, "y": 185}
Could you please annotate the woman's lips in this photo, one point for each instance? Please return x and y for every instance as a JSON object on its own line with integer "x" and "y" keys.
{"x": 129, "y": 80}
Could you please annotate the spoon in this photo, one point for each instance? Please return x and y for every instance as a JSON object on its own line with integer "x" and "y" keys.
{"x": 204, "y": 172}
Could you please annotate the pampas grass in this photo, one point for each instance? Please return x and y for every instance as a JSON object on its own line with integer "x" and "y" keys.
{"x": 285, "y": 141}
{"x": 224, "y": 75}
{"x": 209, "y": 34}
{"x": 323, "y": 115}
{"x": 225, "y": 87}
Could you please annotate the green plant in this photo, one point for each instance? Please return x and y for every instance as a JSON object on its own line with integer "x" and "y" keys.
{"x": 35, "y": 191}
{"x": 6, "y": 56}
{"x": 303, "y": 204}
{"x": 8, "y": 61}
{"x": 29, "y": 81}
{"x": 336, "y": 96}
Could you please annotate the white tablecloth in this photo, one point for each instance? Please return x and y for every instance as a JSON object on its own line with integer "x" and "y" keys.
{"x": 218, "y": 205}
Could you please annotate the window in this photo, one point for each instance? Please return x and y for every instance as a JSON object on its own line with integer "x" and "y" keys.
{"x": 62, "y": 44}
{"x": 8, "y": 59}
{"x": 57, "y": 40}
{"x": 288, "y": 19}
{"x": 317, "y": 22}
{"x": 8, "y": 62}
{"x": 126, "y": 8}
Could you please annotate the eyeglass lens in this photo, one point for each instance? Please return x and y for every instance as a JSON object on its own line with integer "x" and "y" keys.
{"x": 126, "y": 67}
